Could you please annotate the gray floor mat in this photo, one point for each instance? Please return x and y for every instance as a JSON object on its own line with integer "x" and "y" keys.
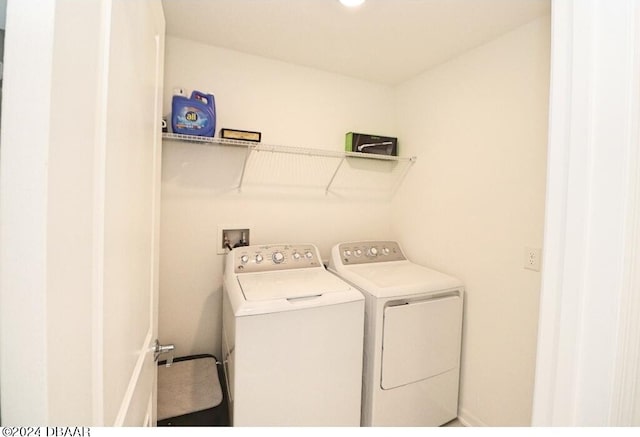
{"x": 188, "y": 386}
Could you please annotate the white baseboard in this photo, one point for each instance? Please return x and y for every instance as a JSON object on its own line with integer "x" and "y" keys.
{"x": 468, "y": 419}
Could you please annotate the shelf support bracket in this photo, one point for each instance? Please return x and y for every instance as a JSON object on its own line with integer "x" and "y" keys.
{"x": 326, "y": 190}
{"x": 410, "y": 162}
{"x": 244, "y": 167}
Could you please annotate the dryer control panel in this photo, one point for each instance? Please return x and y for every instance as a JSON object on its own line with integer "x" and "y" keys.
{"x": 273, "y": 257}
{"x": 363, "y": 252}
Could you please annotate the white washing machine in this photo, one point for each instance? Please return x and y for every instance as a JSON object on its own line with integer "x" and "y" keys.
{"x": 292, "y": 339}
{"x": 413, "y": 330}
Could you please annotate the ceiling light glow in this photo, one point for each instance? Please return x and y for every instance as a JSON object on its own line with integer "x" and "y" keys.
{"x": 351, "y": 3}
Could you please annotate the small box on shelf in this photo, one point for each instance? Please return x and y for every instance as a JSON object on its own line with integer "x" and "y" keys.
{"x": 374, "y": 144}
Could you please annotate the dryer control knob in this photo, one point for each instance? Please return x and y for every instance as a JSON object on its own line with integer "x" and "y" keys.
{"x": 296, "y": 256}
{"x": 244, "y": 259}
{"x": 386, "y": 251}
{"x": 259, "y": 258}
{"x": 347, "y": 253}
{"x": 277, "y": 257}
{"x": 308, "y": 254}
{"x": 358, "y": 252}
{"x": 373, "y": 251}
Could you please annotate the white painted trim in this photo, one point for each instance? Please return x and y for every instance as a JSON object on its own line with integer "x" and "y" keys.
{"x": 468, "y": 419}
{"x": 149, "y": 417}
{"x": 24, "y": 174}
{"x": 99, "y": 173}
{"x": 588, "y": 331}
{"x": 143, "y": 355}
{"x": 159, "y": 21}
{"x": 555, "y": 227}
{"x": 626, "y": 406}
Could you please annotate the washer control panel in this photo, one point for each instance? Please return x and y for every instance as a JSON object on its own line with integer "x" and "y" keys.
{"x": 364, "y": 252}
{"x": 272, "y": 257}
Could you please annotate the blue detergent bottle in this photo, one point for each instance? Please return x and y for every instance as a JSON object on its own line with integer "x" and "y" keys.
{"x": 195, "y": 115}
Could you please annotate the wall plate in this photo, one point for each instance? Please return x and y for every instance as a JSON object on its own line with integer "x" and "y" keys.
{"x": 532, "y": 258}
{"x": 233, "y": 233}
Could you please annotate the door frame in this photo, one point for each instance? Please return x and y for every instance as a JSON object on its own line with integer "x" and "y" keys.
{"x": 589, "y": 327}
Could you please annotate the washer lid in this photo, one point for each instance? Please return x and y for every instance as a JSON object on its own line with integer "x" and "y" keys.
{"x": 290, "y": 284}
{"x": 396, "y": 278}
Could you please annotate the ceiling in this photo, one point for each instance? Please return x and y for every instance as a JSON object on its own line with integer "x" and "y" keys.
{"x": 384, "y": 41}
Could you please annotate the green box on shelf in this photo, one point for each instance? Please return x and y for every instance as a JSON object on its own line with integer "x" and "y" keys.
{"x": 374, "y": 144}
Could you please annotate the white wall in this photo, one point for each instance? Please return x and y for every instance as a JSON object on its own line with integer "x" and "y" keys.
{"x": 475, "y": 199}
{"x": 291, "y": 106}
{"x": 23, "y": 188}
{"x": 46, "y": 204}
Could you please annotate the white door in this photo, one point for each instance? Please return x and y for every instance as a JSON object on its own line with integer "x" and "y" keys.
{"x": 132, "y": 154}
{"x": 79, "y": 209}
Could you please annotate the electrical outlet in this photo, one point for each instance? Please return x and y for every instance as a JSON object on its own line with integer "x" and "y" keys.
{"x": 532, "y": 259}
{"x": 232, "y": 235}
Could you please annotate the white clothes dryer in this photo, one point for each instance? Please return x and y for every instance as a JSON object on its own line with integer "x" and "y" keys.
{"x": 413, "y": 331}
{"x": 292, "y": 339}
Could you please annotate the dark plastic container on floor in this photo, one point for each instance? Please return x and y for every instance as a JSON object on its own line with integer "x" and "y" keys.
{"x": 180, "y": 386}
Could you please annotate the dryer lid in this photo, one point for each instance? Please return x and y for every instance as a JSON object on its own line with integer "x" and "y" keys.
{"x": 290, "y": 284}
{"x": 396, "y": 278}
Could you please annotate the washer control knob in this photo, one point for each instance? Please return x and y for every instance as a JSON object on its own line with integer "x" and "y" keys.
{"x": 358, "y": 252}
{"x": 347, "y": 252}
{"x": 259, "y": 258}
{"x": 296, "y": 256}
{"x": 244, "y": 259}
{"x": 308, "y": 254}
{"x": 373, "y": 251}
{"x": 385, "y": 251}
{"x": 277, "y": 257}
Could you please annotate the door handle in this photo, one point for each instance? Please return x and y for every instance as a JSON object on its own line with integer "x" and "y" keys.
{"x": 161, "y": 349}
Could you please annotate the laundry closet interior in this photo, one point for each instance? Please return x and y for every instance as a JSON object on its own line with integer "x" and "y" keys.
{"x": 462, "y": 84}
{"x": 464, "y": 87}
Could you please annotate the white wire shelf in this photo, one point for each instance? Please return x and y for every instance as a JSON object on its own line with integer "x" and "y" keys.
{"x": 341, "y": 171}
